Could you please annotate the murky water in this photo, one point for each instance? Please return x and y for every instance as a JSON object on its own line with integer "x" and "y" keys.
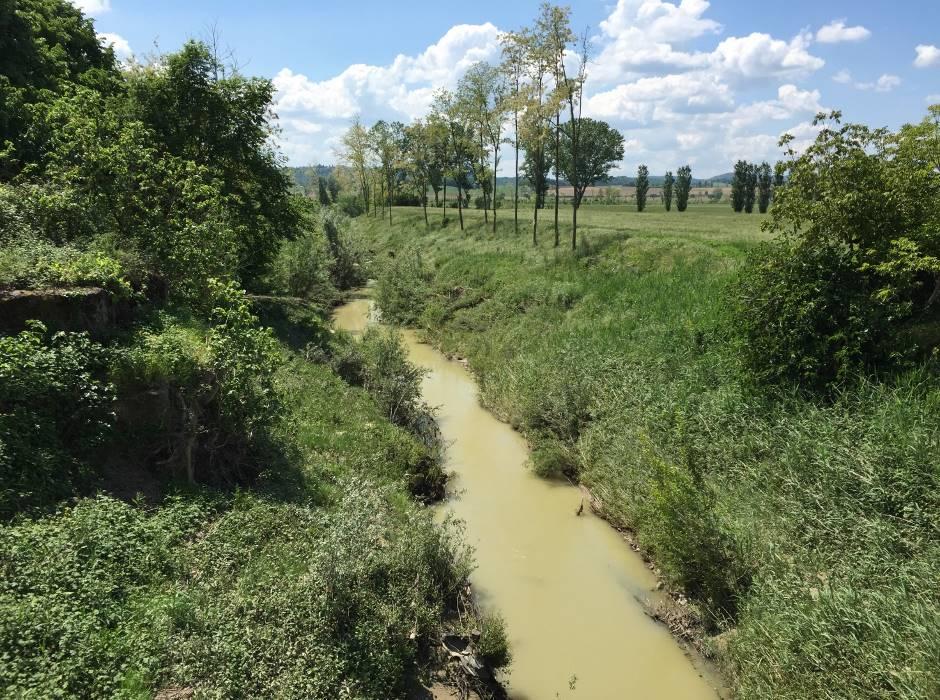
{"x": 567, "y": 586}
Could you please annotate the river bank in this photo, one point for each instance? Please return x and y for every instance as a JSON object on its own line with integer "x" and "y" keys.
{"x": 772, "y": 514}
{"x": 572, "y": 595}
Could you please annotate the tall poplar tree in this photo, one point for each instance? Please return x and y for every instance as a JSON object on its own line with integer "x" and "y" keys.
{"x": 683, "y": 187}
{"x": 668, "y": 183}
{"x": 642, "y": 187}
{"x": 764, "y": 186}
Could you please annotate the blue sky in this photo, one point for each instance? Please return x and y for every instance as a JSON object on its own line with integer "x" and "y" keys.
{"x": 684, "y": 80}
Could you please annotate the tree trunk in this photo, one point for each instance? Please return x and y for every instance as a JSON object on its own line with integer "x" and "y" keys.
{"x": 535, "y": 216}
{"x": 515, "y": 196}
{"x": 424, "y": 205}
{"x": 557, "y": 153}
{"x": 486, "y": 210}
{"x": 444, "y": 219}
{"x": 574, "y": 221}
{"x": 460, "y": 205}
{"x": 495, "y": 163}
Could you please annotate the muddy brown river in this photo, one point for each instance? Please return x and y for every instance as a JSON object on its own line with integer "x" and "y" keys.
{"x": 569, "y": 587}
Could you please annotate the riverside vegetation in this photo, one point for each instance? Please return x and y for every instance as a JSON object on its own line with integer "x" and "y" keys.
{"x": 193, "y": 501}
{"x": 759, "y": 405}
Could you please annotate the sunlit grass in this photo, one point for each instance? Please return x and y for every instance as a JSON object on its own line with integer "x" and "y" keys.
{"x": 810, "y": 529}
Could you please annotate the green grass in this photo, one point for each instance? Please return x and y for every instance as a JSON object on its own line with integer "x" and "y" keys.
{"x": 324, "y": 579}
{"x": 807, "y": 533}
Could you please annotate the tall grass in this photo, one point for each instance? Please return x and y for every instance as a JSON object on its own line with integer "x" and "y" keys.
{"x": 807, "y": 531}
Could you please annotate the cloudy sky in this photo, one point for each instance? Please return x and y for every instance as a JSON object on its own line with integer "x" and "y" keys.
{"x": 686, "y": 81}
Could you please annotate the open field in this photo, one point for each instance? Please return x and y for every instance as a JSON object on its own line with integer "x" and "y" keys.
{"x": 804, "y": 531}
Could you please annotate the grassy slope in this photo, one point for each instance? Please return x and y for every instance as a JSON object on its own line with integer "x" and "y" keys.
{"x": 815, "y": 526}
{"x": 323, "y": 581}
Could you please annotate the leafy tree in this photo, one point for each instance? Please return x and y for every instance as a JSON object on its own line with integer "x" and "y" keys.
{"x": 764, "y": 187}
{"x": 222, "y": 124}
{"x": 642, "y": 187}
{"x": 46, "y": 46}
{"x": 332, "y": 184}
{"x": 355, "y": 153}
{"x": 323, "y": 194}
{"x": 484, "y": 93}
{"x": 739, "y": 185}
{"x": 683, "y": 187}
{"x": 853, "y": 279}
{"x": 668, "y": 183}
{"x": 750, "y": 188}
{"x": 536, "y": 166}
{"x": 106, "y": 176}
{"x": 553, "y": 32}
{"x": 419, "y": 155}
{"x": 601, "y": 150}
{"x": 513, "y": 65}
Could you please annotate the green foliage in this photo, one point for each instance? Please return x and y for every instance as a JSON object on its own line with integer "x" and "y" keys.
{"x": 302, "y": 268}
{"x": 362, "y": 585}
{"x": 852, "y": 283}
{"x": 81, "y": 611}
{"x": 220, "y": 121}
{"x": 493, "y": 645}
{"x": 402, "y": 288}
{"x": 600, "y": 149}
{"x": 683, "y": 187}
{"x": 642, "y": 187}
{"x": 347, "y": 266}
{"x": 34, "y": 263}
{"x": 805, "y": 316}
{"x": 739, "y": 185}
{"x": 750, "y": 188}
{"x": 764, "y": 187}
{"x": 392, "y": 380}
{"x": 55, "y": 411}
{"x": 669, "y": 182}
{"x": 808, "y": 526}
{"x": 45, "y": 45}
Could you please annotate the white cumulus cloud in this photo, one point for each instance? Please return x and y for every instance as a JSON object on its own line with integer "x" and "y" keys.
{"x": 886, "y": 83}
{"x": 927, "y": 56}
{"x": 122, "y": 49}
{"x": 93, "y": 8}
{"x": 703, "y": 103}
{"x": 836, "y": 32}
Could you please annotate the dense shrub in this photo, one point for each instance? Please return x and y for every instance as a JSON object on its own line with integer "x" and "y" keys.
{"x": 345, "y": 600}
{"x": 81, "y": 613}
{"x": 34, "y": 263}
{"x": 402, "y": 288}
{"x": 347, "y": 267}
{"x": 302, "y": 268}
{"x": 220, "y": 377}
{"x": 55, "y": 411}
{"x": 856, "y": 272}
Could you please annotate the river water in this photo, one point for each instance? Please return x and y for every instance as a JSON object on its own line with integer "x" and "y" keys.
{"x": 568, "y": 587}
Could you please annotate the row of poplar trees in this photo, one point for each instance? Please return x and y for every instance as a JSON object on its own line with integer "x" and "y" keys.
{"x": 531, "y": 101}
{"x": 679, "y": 185}
{"x": 752, "y": 183}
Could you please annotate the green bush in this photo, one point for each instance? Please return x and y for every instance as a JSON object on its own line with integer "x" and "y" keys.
{"x": 804, "y": 315}
{"x": 347, "y": 268}
{"x": 81, "y": 610}
{"x": 33, "y": 263}
{"x": 55, "y": 412}
{"x": 329, "y": 603}
{"x": 403, "y": 288}
{"x": 302, "y": 268}
{"x": 493, "y": 645}
{"x": 858, "y": 260}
